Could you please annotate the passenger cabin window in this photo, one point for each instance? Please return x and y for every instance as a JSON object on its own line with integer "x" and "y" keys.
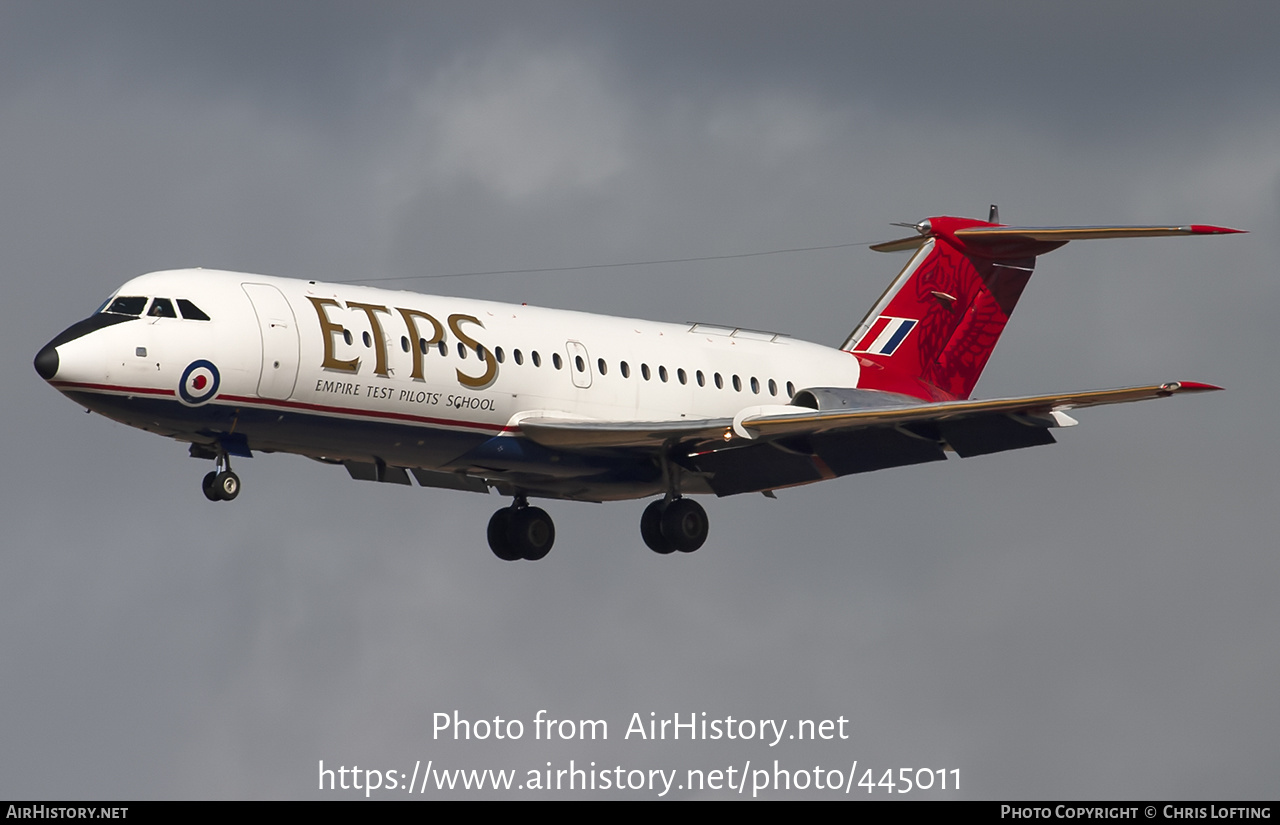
{"x": 518, "y": 356}
{"x": 556, "y": 360}
{"x": 190, "y": 311}
{"x": 604, "y": 369}
{"x": 644, "y": 370}
{"x": 626, "y": 370}
{"x": 127, "y": 306}
{"x": 662, "y": 373}
{"x": 536, "y": 358}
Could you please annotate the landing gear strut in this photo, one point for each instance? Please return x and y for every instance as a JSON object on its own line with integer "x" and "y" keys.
{"x": 221, "y": 484}
{"x": 521, "y": 532}
{"x": 674, "y": 524}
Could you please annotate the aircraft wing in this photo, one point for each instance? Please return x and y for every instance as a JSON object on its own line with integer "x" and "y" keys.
{"x": 809, "y": 422}
{"x": 765, "y": 448}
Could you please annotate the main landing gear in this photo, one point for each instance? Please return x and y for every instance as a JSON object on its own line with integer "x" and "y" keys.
{"x": 521, "y": 532}
{"x": 524, "y": 532}
{"x": 671, "y": 524}
{"x": 221, "y": 484}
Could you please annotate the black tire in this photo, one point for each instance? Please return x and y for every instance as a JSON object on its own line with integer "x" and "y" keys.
{"x": 684, "y": 525}
{"x": 532, "y": 533}
{"x": 209, "y": 486}
{"x": 499, "y": 539}
{"x": 651, "y": 528}
{"x": 227, "y": 485}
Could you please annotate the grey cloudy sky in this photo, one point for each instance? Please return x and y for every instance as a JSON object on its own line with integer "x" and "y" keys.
{"x": 1088, "y": 620}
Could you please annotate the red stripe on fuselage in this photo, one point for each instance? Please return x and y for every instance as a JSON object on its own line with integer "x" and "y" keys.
{"x": 395, "y": 416}
{"x": 295, "y": 405}
{"x": 112, "y": 388}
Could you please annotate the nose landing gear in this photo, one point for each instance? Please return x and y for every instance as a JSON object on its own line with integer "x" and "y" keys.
{"x": 521, "y": 532}
{"x": 674, "y": 524}
{"x": 221, "y": 484}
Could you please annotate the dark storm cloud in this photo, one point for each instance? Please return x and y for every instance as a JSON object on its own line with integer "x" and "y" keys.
{"x": 1088, "y": 619}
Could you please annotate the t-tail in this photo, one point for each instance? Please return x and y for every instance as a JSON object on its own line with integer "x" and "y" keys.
{"x": 932, "y": 331}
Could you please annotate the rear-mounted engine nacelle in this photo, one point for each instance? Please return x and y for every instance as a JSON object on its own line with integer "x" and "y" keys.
{"x": 847, "y": 398}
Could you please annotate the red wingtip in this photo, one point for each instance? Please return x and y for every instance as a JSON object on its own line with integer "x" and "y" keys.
{"x": 1196, "y": 386}
{"x": 1205, "y": 229}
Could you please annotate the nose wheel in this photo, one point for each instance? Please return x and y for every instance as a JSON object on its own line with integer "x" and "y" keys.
{"x": 521, "y": 532}
{"x": 221, "y": 484}
{"x": 675, "y": 524}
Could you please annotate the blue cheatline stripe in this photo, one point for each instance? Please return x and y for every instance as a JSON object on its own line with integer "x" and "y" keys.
{"x": 898, "y": 337}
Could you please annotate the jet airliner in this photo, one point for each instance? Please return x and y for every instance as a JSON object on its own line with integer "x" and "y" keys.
{"x": 539, "y": 403}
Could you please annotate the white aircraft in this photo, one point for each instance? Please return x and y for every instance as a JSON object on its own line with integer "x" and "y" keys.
{"x": 473, "y": 395}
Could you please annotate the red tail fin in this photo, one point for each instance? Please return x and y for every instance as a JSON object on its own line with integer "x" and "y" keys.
{"x": 931, "y": 333}
{"x": 936, "y": 325}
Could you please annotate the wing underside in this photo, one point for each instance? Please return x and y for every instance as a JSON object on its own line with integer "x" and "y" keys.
{"x": 781, "y": 447}
{"x": 760, "y": 449}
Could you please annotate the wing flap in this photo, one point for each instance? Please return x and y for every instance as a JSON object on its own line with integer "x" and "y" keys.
{"x": 988, "y": 433}
{"x": 449, "y": 481}
{"x": 376, "y": 470}
{"x": 759, "y": 465}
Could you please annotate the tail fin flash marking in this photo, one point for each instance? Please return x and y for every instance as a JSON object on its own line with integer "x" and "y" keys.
{"x": 885, "y": 335}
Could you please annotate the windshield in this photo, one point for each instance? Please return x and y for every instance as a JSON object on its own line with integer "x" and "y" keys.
{"x": 126, "y": 306}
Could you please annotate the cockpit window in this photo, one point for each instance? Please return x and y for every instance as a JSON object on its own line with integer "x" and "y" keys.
{"x": 127, "y": 306}
{"x": 190, "y": 311}
{"x": 161, "y": 308}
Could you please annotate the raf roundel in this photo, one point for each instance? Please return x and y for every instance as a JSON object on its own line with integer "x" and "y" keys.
{"x": 199, "y": 383}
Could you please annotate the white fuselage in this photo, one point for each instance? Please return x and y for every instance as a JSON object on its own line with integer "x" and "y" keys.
{"x": 345, "y": 372}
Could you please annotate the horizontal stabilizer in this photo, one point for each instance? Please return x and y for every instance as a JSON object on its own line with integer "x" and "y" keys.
{"x": 976, "y": 236}
{"x": 901, "y": 244}
{"x": 1086, "y": 233}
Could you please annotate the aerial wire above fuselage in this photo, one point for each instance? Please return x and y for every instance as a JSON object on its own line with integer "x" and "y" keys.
{"x": 613, "y": 265}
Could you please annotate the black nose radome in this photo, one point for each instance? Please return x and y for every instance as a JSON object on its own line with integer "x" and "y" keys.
{"x": 47, "y": 358}
{"x": 47, "y": 361}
